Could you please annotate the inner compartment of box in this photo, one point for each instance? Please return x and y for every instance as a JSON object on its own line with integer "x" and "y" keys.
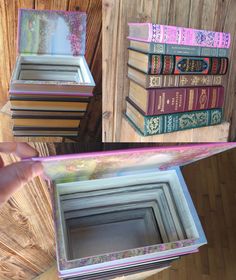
{"x": 111, "y": 232}
{"x": 48, "y": 72}
{"x": 112, "y": 215}
{"x": 52, "y": 68}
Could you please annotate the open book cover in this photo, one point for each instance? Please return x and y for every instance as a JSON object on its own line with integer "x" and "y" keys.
{"x": 51, "y": 32}
{"x": 86, "y": 166}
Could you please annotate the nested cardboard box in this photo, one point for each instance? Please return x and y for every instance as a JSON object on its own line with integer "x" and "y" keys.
{"x": 123, "y": 213}
{"x": 51, "y": 85}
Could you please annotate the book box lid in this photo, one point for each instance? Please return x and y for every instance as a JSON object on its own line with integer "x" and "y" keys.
{"x": 97, "y": 165}
{"x": 51, "y": 32}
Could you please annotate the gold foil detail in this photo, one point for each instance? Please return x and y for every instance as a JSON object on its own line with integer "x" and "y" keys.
{"x": 203, "y": 99}
{"x": 155, "y": 81}
{"x": 214, "y": 98}
{"x": 191, "y": 99}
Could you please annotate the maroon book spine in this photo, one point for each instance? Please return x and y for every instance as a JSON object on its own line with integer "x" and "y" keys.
{"x": 175, "y": 100}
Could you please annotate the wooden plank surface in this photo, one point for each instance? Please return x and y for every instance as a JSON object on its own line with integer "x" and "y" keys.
{"x": 26, "y": 228}
{"x": 204, "y": 134}
{"x": 206, "y": 14}
{"x": 50, "y": 274}
{"x": 91, "y": 127}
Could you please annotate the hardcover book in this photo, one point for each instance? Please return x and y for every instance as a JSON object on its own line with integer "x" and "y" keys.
{"x": 157, "y": 48}
{"x": 122, "y": 212}
{"x": 49, "y": 105}
{"x": 172, "y": 64}
{"x": 175, "y": 100}
{"x": 51, "y": 47}
{"x": 162, "y": 81}
{"x": 160, "y": 124}
{"x": 24, "y": 131}
{"x": 51, "y": 76}
{"x": 156, "y": 33}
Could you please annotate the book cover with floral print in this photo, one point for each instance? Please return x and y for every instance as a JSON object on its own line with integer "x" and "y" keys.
{"x": 51, "y": 32}
{"x": 90, "y": 166}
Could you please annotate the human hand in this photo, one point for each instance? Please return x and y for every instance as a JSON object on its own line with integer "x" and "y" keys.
{"x": 16, "y": 175}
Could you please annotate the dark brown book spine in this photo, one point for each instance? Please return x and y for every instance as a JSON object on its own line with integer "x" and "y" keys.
{"x": 175, "y": 100}
{"x": 185, "y": 65}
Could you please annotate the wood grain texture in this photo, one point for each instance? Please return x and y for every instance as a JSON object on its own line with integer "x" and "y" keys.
{"x": 50, "y": 274}
{"x": 26, "y": 228}
{"x": 91, "y": 127}
{"x": 141, "y": 275}
{"x": 204, "y": 14}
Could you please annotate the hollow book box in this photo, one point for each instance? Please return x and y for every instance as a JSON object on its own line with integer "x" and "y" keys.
{"x": 51, "y": 84}
{"x": 124, "y": 213}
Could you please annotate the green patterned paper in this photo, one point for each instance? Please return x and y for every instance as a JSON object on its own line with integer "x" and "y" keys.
{"x": 182, "y": 121}
{"x": 168, "y": 49}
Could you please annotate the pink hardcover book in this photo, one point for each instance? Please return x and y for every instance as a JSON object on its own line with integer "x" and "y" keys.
{"x": 103, "y": 202}
{"x": 166, "y": 34}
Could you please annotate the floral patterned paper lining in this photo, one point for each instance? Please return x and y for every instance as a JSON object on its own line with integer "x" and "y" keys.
{"x": 52, "y": 32}
{"x": 125, "y": 254}
{"x": 96, "y": 166}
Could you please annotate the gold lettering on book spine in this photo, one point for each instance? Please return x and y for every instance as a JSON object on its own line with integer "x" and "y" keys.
{"x": 161, "y": 102}
{"x": 177, "y": 102}
{"x": 191, "y": 99}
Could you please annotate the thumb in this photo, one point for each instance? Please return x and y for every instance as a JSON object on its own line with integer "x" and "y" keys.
{"x": 16, "y": 175}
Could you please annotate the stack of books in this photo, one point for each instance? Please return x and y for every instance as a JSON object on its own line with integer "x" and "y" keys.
{"x": 176, "y": 77}
{"x": 51, "y": 84}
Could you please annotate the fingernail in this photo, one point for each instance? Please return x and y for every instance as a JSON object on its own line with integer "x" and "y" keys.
{"x": 37, "y": 168}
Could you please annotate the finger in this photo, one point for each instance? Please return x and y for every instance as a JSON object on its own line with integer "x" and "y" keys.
{"x": 16, "y": 175}
{"x": 22, "y": 150}
{"x": 1, "y": 162}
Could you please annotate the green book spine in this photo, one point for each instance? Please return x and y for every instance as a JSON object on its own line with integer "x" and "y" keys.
{"x": 168, "y": 49}
{"x": 176, "y": 122}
